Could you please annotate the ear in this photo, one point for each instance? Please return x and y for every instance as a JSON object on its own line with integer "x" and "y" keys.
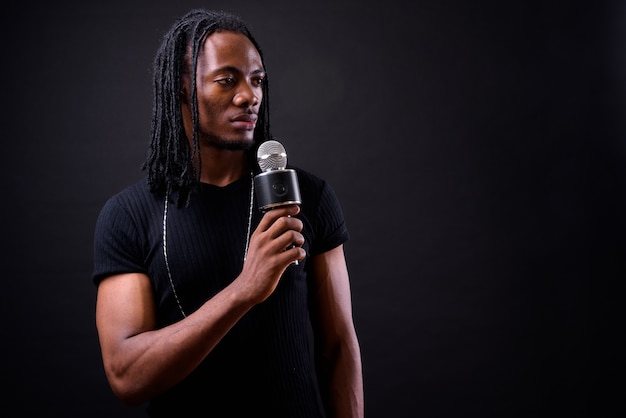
{"x": 185, "y": 89}
{"x": 184, "y": 96}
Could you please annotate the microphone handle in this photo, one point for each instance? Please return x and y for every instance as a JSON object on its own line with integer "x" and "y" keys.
{"x": 276, "y": 188}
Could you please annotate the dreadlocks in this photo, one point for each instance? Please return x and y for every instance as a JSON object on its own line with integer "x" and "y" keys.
{"x": 171, "y": 162}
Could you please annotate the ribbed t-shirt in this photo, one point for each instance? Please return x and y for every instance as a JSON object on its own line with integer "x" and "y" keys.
{"x": 264, "y": 365}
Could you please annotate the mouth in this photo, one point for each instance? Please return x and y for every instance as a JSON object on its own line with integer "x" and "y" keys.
{"x": 245, "y": 121}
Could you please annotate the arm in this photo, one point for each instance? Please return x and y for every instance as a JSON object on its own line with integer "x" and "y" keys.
{"x": 141, "y": 361}
{"x": 338, "y": 349}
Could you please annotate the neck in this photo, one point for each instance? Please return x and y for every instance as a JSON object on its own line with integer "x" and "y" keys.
{"x": 222, "y": 167}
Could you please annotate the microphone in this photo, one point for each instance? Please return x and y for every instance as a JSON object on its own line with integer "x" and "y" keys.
{"x": 276, "y": 185}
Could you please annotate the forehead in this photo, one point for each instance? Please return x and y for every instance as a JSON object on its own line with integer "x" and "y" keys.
{"x": 229, "y": 49}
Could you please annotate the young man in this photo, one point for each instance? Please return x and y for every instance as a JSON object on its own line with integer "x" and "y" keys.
{"x": 202, "y": 308}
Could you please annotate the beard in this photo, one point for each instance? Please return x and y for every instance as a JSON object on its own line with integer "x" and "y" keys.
{"x": 229, "y": 144}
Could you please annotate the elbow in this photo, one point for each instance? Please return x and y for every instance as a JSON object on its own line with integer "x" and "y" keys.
{"x": 342, "y": 347}
{"x": 130, "y": 399}
{"x": 126, "y": 389}
{"x": 127, "y": 395}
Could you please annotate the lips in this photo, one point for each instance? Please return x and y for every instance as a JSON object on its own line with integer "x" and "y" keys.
{"x": 245, "y": 121}
{"x": 246, "y": 117}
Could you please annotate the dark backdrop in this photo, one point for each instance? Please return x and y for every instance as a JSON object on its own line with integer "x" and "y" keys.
{"x": 477, "y": 147}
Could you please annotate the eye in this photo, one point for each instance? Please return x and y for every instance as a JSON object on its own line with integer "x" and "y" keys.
{"x": 258, "y": 82}
{"x": 228, "y": 81}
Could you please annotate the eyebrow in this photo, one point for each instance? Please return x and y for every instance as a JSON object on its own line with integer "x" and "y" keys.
{"x": 233, "y": 69}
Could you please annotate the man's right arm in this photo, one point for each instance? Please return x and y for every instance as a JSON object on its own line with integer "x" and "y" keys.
{"x": 141, "y": 361}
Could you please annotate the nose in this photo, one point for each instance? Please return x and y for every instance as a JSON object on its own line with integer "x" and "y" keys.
{"x": 246, "y": 96}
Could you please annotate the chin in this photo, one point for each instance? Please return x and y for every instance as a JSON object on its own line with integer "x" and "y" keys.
{"x": 232, "y": 144}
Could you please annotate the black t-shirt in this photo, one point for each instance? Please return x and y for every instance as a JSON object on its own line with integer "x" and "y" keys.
{"x": 264, "y": 364}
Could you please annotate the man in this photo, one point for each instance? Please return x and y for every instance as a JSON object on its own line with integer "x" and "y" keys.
{"x": 207, "y": 305}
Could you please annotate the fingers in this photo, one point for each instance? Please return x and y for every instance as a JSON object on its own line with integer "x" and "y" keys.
{"x": 295, "y": 253}
{"x": 270, "y": 218}
{"x": 274, "y": 245}
{"x": 281, "y": 231}
{"x": 291, "y": 242}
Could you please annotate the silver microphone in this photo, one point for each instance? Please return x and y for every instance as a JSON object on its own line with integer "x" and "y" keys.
{"x": 271, "y": 155}
{"x": 276, "y": 185}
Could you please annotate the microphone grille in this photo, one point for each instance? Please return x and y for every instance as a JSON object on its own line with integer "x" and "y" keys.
{"x": 271, "y": 155}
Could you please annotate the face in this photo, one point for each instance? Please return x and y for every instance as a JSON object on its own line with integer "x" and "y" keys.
{"x": 229, "y": 84}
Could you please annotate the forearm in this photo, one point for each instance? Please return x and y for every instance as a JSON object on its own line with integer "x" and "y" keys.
{"x": 337, "y": 342}
{"x": 346, "y": 382}
{"x": 148, "y": 363}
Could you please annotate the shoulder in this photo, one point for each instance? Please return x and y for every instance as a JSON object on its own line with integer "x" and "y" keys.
{"x": 134, "y": 200}
{"x": 137, "y": 190}
{"x": 315, "y": 189}
{"x": 136, "y": 193}
{"x": 325, "y": 226}
{"x": 310, "y": 183}
{"x": 317, "y": 194}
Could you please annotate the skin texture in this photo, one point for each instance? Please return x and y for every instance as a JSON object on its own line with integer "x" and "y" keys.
{"x": 142, "y": 361}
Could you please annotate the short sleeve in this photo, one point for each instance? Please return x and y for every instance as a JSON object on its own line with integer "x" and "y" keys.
{"x": 323, "y": 210}
{"x": 116, "y": 244}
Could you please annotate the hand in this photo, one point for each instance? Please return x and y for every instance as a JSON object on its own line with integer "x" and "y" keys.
{"x": 274, "y": 245}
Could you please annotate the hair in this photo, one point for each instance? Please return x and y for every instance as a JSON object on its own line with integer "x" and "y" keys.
{"x": 172, "y": 165}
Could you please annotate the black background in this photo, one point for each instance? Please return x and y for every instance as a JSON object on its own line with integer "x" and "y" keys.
{"x": 478, "y": 149}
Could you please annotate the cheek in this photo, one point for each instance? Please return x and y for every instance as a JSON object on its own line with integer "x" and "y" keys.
{"x": 212, "y": 111}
